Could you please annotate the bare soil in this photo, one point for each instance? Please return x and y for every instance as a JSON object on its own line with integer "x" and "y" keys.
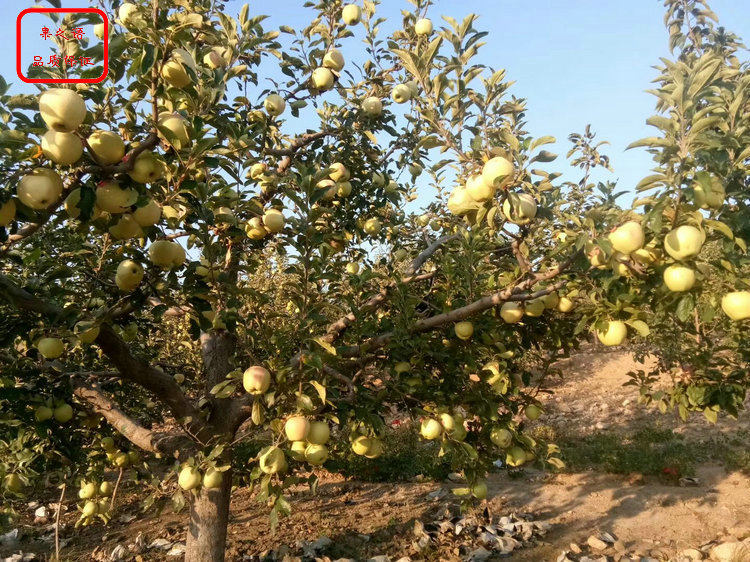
{"x": 652, "y": 515}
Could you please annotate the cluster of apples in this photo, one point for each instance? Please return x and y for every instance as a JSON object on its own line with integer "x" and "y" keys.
{"x": 62, "y": 413}
{"x": 497, "y": 173}
{"x": 190, "y": 478}
{"x": 452, "y": 426}
{"x": 119, "y": 459}
{"x": 96, "y": 501}
{"x": 308, "y": 439}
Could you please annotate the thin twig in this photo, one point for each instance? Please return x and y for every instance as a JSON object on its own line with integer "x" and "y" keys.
{"x": 114, "y": 492}
{"x": 57, "y": 524}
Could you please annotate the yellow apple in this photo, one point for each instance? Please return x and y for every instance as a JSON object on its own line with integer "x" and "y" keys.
{"x": 501, "y": 437}
{"x": 628, "y": 237}
{"x": 108, "y": 147}
{"x": 401, "y": 93}
{"x": 89, "y": 509}
{"x": 460, "y": 202}
{"x": 532, "y": 412}
{"x": 50, "y": 348}
{"x": 273, "y": 220}
{"x": 351, "y": 14}
{"x": 128, "y": 13}
{"x": 423, "y": 27}
{"x": 111, "y": 199}
{"x": 551, "y": 301}
{"x": 322, "y": 79}
{"x": 40, "y": 188}
{"x": 256, "y": 380}
{"x": 430, "y": 429}
{"x": 71, "y": 206}
{"x": 372, "y": 107}
{"x": 498, "y": 172}
{"x": 565, "y": 304}
{"x": 523, "y": 211}
{"x": 255, "y": 229}
{"x": 274, "y": 105}
{"x": 515, "y": 456}
{"x": 106, "y": 489}
{"x": 334, "y": 60}
{"x": 316, "y": 454}
{"x": 179, "y": 378}
{"x": 448, "y": 422}
{"x": 534, "y": 308}
{"x": 711, "y": 198}
{"x": 464, "y": 330}
{"x": 213, "y": 479}
{"x": 352, "y": 268}
{"x": 343, "y": 188}
{"x": 149, "y": 214}
{"x": 87, "y": 332}
{"x": 174, "y": 71}
{"x": 214, "y": 59}
{"x": 736, "y": 305}
{"x": 372, "y": 227}
{"x": 511, "y": 312}
{"x": 99, "y": 30}
{"x": 43, "y": 413}
{"x": 125, "y": 228}
{"x": 339, "y": 172}
{"x": 297, "y": 450}
{"x": 479, "y": 490}
{"x": 13, "y": 483}
{"x": 165, "y": 254}
{"x": 121, "y": 460}
{"x": 361, "y": 445}
{"x": 178, "y": 125}
{"x": 683, "y": 242}
{"x": 129, "y": 275}
{"x": 478, "y": 189}
{"x": 64, "y": 413}
{"x": 189, "y": 478}
{"x": 7, "y": 212}
{"x": 62, "y": 110}
{"x": 679, "y": 278}
{"x": 272, "y": 460}
{"x": 375, "y": 449}
{"x": 319, "y": 433}
{"x": 297, "y": 428}
{"x": 147, "y": 168}
{"x": 614, "y": 333}
{"x": 619, "y": 264}
{"x": 62, "y": 148}
{"x": 87, "y": 491}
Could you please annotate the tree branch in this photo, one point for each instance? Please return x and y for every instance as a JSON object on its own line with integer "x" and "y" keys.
{"x": 24, "y": 300}
{"x": 514, "y": 292}
{"x": 159, "y": 383}
{"x": 335, "y": 330}
{"x": 299, "y": 142}
{"x": 164, "y": 443}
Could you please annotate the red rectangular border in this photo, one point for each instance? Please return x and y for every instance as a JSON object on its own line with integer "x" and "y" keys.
{"x": 62, "y": 80}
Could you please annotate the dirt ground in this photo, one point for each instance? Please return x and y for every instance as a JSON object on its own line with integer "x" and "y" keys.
{"x": 651, "y": 515}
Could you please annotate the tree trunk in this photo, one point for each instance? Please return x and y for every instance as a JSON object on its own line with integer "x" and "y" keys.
{"x": 209, "y": 516}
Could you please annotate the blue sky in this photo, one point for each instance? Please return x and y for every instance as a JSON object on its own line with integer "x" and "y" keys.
{"x": 576, "y": 61}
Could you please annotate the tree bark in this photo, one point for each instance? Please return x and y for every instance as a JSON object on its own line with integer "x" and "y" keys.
{"x": 209, "y": 516}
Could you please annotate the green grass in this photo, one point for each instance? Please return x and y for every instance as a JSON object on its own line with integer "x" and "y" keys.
{"x": 650, "y": 450}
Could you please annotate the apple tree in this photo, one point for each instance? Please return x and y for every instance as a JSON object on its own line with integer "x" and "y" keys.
{"x": 211, "y": 247}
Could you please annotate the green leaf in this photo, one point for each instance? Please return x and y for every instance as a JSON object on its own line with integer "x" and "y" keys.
{"x": 639, "y": 326}
{"x": 721, "y": 227}
{"x": 325, "y": 345}
{"x": 321, "y": 390}
{"x": 685, "y": 308}
{"x": 544, "y": 156}
{"x": 541, "y": 141}
{"x": 711, "y": 415}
